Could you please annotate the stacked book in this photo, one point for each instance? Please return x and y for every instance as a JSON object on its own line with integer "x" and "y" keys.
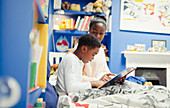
{"x": 82, "y": 24}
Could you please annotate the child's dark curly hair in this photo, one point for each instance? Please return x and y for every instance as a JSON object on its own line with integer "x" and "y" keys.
{"x": 89, "y": 40}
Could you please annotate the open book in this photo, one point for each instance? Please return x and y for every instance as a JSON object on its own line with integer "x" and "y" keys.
{"x": 117, "y": 78}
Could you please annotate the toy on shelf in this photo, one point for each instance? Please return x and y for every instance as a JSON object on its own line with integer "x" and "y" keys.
{"x": 65, "y": 5}
{"x": 53, "y": 74}
{"x": 75, "y": 7}
{"x": 54, "y": 69}
{"x": 101, "y": 6}
{"x": 157, "y": 49}
{"x": 88, "y": 7}
{"x": 63, "y": 25}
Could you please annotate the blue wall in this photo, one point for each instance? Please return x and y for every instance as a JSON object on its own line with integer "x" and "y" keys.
{"x": 15, "y": 26}
{"x": 120, "y": 39}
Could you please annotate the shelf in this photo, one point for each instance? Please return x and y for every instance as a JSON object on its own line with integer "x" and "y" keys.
{"x": 69, "y": 32}
{"x": 41, "y": 16}
{"x": 74, "y": 32}
{"x": 70, "y": 12}
{"x": 145, "y": 53}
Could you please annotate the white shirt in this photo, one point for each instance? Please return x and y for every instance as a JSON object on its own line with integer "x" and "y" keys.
{"x": 95, "y": 69}
{"x": 69, "y": 78}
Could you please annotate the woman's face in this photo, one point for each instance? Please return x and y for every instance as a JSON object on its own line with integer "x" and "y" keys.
{"x": 98, "y": 30}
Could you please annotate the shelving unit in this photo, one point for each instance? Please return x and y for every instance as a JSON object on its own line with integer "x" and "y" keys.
{"x": 69, "y": 33}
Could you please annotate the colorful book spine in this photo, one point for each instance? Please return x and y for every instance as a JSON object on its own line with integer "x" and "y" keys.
{"x": 81, "y": 22}
{"x": 71, "y": 24}
{"x": 84, "y": 22}
{"x": 77, "y": 22}
{"x": 87, "y": 24}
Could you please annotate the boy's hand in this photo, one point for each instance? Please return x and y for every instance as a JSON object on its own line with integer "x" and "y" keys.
{"x": 107, "y": 77}
{"x": 97, "y": 83}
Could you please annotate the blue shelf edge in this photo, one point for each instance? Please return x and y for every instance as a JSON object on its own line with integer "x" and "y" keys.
{"x": 74, "y": 32}
{"x": 41, "y": 16}
{"x": 70, "y": 12}
{"x": 69, "y": 32}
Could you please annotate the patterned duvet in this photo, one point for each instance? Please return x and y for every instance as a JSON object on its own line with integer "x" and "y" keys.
{"x": 127, "y": 95}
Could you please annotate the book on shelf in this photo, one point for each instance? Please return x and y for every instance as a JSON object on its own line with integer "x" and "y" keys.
{"x": 81, "y": 22}
{"x": 77, "y": 22}
{"x": 84, "y": 22}
{"x": 110, "y": 24}
{"x": 72, "y": 22}
{"x": 87, "y": 24}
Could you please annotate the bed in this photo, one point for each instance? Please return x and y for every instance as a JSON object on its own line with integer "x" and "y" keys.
{"x": 126, "y": 95}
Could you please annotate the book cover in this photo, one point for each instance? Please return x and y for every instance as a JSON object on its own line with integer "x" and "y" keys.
{"x": 117, "y": 78}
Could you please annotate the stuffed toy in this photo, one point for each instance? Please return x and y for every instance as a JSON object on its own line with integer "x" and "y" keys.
{"x": 101, "y": 6}
{"x": 75, "y": 7}
{"x": 98, "y": 4}
{"x": 88, "y": 7}
{"x": 54, "y": 68}
{"x": 65, "y": 5}
{"x": 53, "y": 74}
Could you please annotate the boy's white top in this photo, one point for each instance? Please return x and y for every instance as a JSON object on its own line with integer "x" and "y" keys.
{"x": 95, "y": 69}
{"x": 69, "y": 78}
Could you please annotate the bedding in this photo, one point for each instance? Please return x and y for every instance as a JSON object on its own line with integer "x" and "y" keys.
{"x": 126, "y": 95}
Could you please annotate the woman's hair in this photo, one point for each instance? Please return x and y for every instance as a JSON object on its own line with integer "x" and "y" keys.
{"x": 89, "y": 40}
{"x": 98, "y": 19}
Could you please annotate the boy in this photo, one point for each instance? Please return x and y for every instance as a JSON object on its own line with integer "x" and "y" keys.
{"x": 69, "y": 78}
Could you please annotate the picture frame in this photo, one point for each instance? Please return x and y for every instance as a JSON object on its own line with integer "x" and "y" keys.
{"x": 159, "y": 43}
{"x": 74, "y": 41}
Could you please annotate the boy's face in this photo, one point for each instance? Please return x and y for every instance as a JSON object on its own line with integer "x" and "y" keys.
{"x": 89, "y": 54}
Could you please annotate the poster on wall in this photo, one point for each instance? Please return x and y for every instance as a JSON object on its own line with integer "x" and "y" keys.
{"x": 145, "y": 15}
